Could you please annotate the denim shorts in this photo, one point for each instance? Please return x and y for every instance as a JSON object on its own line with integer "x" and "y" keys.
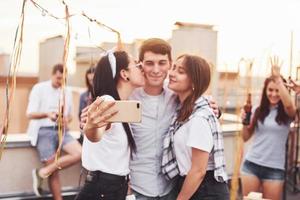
{"x": 261, "y": 172}
{"x": 47, "y": 142}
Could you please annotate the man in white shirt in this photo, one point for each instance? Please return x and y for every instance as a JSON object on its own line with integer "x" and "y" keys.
{"x": 43, "y": 109}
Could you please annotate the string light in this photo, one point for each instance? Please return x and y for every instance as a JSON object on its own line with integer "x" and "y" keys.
{"x": 16, "y": 57}
{"x": 45, "y": 12}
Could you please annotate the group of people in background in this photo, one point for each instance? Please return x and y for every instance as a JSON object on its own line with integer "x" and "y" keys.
{"x": 177, "y": 151}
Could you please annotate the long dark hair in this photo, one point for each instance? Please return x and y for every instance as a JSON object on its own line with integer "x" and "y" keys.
{"x": 105, "y": 84}
{"x": 198, "y": 71}
{"x": 264, "y": 107}
{"x": 89, "y": 86}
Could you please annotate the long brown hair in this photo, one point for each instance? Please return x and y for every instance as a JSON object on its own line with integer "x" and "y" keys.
{"x": 89, "y": 86}
{"x": 198, "y": 71}
{"x": 264, "y": 107}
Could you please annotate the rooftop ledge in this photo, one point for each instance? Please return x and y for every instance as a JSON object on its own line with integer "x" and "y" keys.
{"x": 22, "y": 140}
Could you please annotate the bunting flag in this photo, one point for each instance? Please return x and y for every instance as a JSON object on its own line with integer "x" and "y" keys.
{"x": 119, "y": 41}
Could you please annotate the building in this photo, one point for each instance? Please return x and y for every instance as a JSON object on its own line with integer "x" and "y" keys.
{"x": 18, "y": 119}
{"x": 195, "y": 39}
{"x": 198, "y": 39}
{"x": 4, "y": 64}
{"x": 232, "y": 90}
{"x": 86, "y": 57}
{"x": 51, "y": 52}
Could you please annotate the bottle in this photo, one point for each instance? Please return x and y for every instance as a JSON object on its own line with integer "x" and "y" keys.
{"x": 61, "y": 110}
{"x": 247, "y": 109}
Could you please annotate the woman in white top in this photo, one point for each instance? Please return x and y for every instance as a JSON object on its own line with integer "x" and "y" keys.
{"x": 107, "y": 147}
{"x": 196, "y": 135}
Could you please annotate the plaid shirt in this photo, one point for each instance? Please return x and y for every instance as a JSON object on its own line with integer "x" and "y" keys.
{"x": 169, "y": 163}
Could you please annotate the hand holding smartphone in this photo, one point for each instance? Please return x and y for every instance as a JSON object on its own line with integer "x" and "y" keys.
{"x": 128, "y": 111}
{"x": 102, "y": 112}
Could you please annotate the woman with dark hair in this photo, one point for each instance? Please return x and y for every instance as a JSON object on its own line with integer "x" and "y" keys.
{"x": 263, "y": 168}
{"x": 107, "y": 147}
{"x": 193, "y": 149}
{"x": 86, "y": 97}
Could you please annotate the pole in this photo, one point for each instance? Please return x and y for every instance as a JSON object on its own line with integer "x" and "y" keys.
{"x": 291, "y": 52}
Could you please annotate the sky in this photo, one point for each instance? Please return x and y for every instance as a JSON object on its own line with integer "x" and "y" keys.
{"x": 250, "y": 29}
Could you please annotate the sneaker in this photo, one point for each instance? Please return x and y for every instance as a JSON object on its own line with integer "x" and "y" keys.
{"x": 37, "y": 182}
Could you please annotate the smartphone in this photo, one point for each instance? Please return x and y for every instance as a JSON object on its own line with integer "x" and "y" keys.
{"x": 128, "y": 111}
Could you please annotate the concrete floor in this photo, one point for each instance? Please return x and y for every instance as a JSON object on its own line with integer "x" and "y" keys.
{"x": 70, "y": 195}
{"x": 290, "y": 196}
{"x": 293, "y": 196}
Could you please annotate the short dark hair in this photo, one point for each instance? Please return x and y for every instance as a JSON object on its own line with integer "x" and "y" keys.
{"x": 58, "y": 67}
{"x": 157, "y": 46}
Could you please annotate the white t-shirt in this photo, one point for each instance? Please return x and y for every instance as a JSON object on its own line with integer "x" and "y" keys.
{"x": 111, "y": 154}
{"x": 195, "y": 133}
{"x": 44, "y": 98}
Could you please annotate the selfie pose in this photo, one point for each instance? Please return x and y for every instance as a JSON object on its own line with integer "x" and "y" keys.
{"x": 158, "y": 106}
{"x": 107, "y": 147}
{"x": 263, "y": 168}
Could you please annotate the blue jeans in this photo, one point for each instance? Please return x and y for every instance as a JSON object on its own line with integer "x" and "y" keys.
{"x": 261, "y": 172}
{"x": 103, "y": 186}
{"x": 209, "y": 188}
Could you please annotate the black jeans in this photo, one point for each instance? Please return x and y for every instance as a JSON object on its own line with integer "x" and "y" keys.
{"x": 103, "y": 186}
{"x": 209, "y": 189}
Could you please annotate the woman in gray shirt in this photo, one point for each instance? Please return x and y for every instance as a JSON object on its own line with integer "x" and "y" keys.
{"x": 263, "y": 167}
